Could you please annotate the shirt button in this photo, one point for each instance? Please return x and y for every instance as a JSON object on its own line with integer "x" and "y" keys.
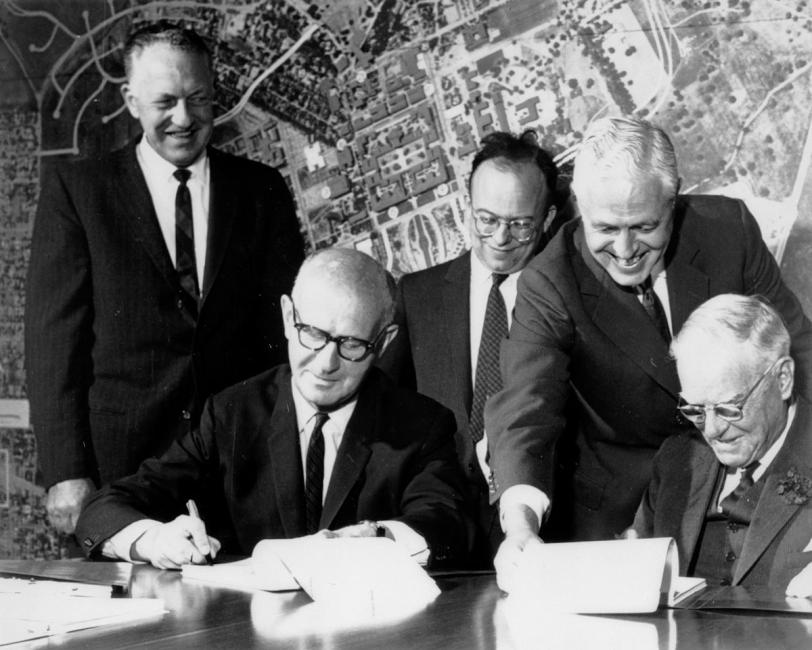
{"x": 731, "y": 556}
{"x": 186, "y": 415}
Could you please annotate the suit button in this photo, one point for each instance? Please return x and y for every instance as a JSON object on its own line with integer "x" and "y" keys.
{"x": 186, "y": 415}
{"x": 731, "y": 556}
{"x": 724, "y": 582}
{"x": 732, "y": 526}
{"x": 180, "y": 303}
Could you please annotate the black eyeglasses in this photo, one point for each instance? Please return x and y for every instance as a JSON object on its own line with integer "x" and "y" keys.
{"x": 522, "y": 229}
{"x": 730, "y": 411}
{"x": 349, "y": 347}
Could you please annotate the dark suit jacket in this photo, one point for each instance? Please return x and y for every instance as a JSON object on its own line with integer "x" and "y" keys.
{"x": 117, "y": 365}
{"x": 244, "y": 467}
{"x": 683, "y": 484}
{"x": 579, "y": 342}
{"x": 432, "y": 353}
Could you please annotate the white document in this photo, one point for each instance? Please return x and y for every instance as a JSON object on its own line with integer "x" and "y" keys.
{"x": 351, "y": 570}
{"x": 32, "y": 616}
{"x": 244, "y": 574}
{"x": 609, "y": 577}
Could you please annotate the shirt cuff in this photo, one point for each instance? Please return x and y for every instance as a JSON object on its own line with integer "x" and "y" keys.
{"x": 413, "y": 542}
{"x": 527, "y": 496}
{"x": 118, "y": 546}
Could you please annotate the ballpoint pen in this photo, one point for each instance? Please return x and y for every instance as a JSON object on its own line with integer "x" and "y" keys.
{"x": 191, "y": 506}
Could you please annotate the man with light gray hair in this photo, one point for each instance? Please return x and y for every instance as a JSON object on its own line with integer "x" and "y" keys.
{"x": 737, "y": 497}
{"x": 590, "y": 390}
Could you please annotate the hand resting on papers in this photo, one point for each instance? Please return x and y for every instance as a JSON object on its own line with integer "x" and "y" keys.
{"x": 520, "y": 525}
{"x": 175, "y": 543}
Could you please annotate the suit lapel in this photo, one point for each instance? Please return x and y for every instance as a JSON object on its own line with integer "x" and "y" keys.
{"x": 223, "y": 203}
{"x": 688, "y": 286}
{"x": 773, "y": 511}
{"x": 618, "y": 313}
{"x": 456, "y": 305}
{"x": 139, "y": 212}
{"x": 286, "y": 460}
{"x": 705, "y": 470}
{"x": 352, "y": 456}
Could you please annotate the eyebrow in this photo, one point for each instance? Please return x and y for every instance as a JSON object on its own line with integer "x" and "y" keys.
{"x": 499, "y": 216}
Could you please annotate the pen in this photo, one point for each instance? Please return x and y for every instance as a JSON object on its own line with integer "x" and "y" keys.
{"x": 191, "y": 506}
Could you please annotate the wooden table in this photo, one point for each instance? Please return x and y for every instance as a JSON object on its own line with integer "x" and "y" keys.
{"x": 470, "y": 613}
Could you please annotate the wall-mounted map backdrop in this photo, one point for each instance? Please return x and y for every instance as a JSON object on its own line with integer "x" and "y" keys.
{"x": 372, "y": 108}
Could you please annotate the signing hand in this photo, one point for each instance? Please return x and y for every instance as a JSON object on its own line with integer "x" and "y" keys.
{"x": 65, "y": 500}
{"x": 178, "y": 542}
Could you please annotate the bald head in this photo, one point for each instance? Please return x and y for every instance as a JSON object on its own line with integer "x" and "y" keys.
{"x": 352, "y": 275}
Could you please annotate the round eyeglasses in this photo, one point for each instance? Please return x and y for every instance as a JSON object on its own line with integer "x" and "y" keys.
{"x": 730, "y": 411}
{"x": 522, "y": 229}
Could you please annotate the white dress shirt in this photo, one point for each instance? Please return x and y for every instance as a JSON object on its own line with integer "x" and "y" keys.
{"x": 533, "y": 498}
{"x": 163, "y": 187}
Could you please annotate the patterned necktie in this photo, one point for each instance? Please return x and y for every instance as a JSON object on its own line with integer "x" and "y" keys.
{"x": 488, "y": 376}
{"x": 654, "y": 308}
{"x": 314, "y": 480}
{"x": 184, "y": 236}
{"x": 734, "y": 506}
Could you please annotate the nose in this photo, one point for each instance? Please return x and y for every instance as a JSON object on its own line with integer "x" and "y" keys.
{"x": 327, "y": 358}
{"x": 180, "y": 114}
{"x": 713, "y": 427}
{"x": 624, "y": 244}
{"x": 502, "y": 233}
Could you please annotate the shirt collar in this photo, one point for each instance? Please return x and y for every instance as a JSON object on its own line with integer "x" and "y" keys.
{"x": 153, "y": 164}
{"x": 481, "y": 274}
{"x": 305, "y": 412}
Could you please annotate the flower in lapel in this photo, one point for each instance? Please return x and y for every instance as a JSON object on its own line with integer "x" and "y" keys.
{"x": 795, "y": 488}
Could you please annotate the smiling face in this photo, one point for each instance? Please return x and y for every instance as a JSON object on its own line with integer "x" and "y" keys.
{"x": 170, "y": 91}
{"x": 323, "y": 378}
{"x": 506, "y": 191}
{"x": 716, "y": 371}
{"x": 627, "y": 225}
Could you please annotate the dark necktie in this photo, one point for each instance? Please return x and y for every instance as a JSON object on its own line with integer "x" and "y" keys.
{"x": 488, "y": 376}
{"x": 184, "y": 236}
{"x": 654, "y": 308}
{"x": 314, "y": 480}
{"x": 733, "y": 506}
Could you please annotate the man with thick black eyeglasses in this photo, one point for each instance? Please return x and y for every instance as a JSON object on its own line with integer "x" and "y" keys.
{"x": 325, "y": 445}
{"x": 737, "y": 497}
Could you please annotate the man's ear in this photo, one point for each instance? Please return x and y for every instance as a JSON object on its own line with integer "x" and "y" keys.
{"x": 129, "y": 99}
{"x": 548, "y": 218}
{"x": 388, "y": 337}
{"x": 786, "y": 377}
{"x": 287, "y": 314}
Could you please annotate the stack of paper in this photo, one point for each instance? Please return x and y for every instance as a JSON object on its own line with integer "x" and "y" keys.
{"x": 24, "y": 616}
{"x": 611, "y": 577}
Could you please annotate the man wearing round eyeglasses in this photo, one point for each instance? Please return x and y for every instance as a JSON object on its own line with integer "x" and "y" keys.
{"x": 326, "y": 445}
{"x": 737, "y": 497}
{"x": 453, "y": 316}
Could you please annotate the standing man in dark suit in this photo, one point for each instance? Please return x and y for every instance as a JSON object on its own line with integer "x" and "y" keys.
{"x": 324, "y": 443}
{"x": 154, "y": 279}
{"x": 587, "y": 365}
{"x": 445, "y": 349}
{"x": 736, "y": 493}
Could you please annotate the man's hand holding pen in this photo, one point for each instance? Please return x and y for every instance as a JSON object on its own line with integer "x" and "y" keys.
{"x": 175, "y": 543}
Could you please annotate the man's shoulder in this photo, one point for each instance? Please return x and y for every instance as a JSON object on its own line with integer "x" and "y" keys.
{"x": 434, "y": 275}
{"x": 681, "y": 451}
{"x": 403, "y": 406}
{"x": 557, "y": 257}
{"x": 261, "y": 388}
{"x": 240, "y": 165}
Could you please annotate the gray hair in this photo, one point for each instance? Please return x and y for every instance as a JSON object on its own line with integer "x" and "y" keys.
{"x": 355, "y": 272}
{"x": 633, "y": 145}
{"x": 744, "y": 319}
